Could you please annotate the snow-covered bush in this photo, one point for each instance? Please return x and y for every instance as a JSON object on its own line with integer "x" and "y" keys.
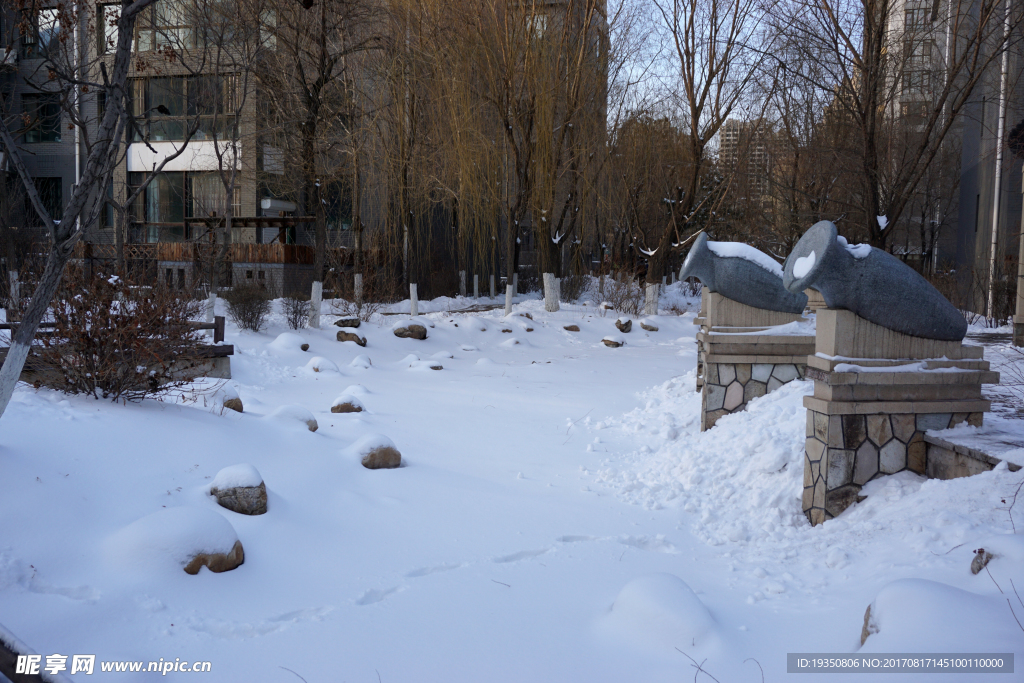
{"x": 296, "y": 310}
{"x": 112, "y": 340}
{"x": 248, "y": 305}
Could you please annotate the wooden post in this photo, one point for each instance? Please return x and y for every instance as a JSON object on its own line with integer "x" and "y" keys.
{"x": 218, "y": 330}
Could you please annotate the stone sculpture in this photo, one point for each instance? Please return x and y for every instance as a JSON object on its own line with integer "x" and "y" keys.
{"x": 872, "y": 284}
{"x": 741, "y": 273}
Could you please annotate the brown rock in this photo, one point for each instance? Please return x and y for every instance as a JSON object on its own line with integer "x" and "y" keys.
{"x": 348, "y": 322}
{"x": 304, "y": 347}
{"x": 383, "y": 457}
{"x": 611, "y": 343}
{"x": 526, "y": 315}
{"x": 529, "y": 329}
{"x": 624, "y": 326}
{"x": 572, "y": 328}
{"x": 649, "y": 328}
{"x": 217, "y": 562}
{"x": 347, "y": 407}
{"x": 344, "y": 336}
{"x": 413, "y": 331}
{"x": 507, "y": 331}
{"x": 245, "y": 500}
{"x": 234, "y": 404}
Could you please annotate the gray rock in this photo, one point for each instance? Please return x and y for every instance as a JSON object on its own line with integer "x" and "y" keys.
{"x": 344, "y": 336}
{"x": 878, "y": 287}
{"x": 348, "y": 322}
{"x": 245, "y": 500}
{"x": 382, "y": 458}
{"x": 413, "y": 331}
{"x": 624, "y": 326}
{"x": 217, "y": 562}
{"x": 740, "y": 280}
{"x": 304, "y": 347}
{"x": 234, "y": 404}
{"x": 649, "y": 328}
{"x": 611, "y": 343}
{"x": 572, "y": 328}
{"x": 981, "y": 559}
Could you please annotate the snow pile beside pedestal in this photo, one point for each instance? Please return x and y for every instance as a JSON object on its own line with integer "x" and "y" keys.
{"x": 295, "y": 415}
{"x": 659, "y": 610}
{"x": 916, "y": 615}
{"x": 171, "y": 537}
{"x": 235, "y": 476}
{"x": 287, "y": 341}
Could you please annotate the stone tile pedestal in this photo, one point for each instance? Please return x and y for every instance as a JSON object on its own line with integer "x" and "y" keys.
{"x": 876, "y": 392}
{"x": 742, "y": 358}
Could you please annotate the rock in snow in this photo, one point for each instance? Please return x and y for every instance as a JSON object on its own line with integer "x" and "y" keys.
{"x": 240, "y": 488}
{"x": 346, "y": 404}
{"x": 296, "y": 414}
{"x": 410, "y": 331}
{"x": 321, "y": 364}
{"x": 624, "y": 325}
{"x": 376, "y": 452}
{"x": 344, "y": 336}
{"x": 191, "y": 537}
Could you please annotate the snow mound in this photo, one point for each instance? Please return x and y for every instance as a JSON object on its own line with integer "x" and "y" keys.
{"x": 173, "y": 535}
{"x": 405, "y": 322}
{"x": 660, "y": 610}
{"x": 917, "y": 615}
{"x": 365, "y": 444}
{"x": 321, "y": 364}
{"x": 361, "y": 361}
{"x": 236, "y": 475}
{"x": 355, "y": 390}
{"x": 513, "y": 341}
{"x": 426, "y": 365}
{"x": 473, "y": 323}
{"x": 287, "y": 341}
{"x": 293, "y": 414}
{"x": 409, "y": 360}
{"x": 441, "y": 355}
{"x": 350, "y": 399}
{"x": 745, "y": 251}
{"x": 485, "y": 361}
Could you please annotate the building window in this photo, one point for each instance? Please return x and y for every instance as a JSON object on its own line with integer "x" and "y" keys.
{"x": 41, "y": 117}
{"x": 916, "y": 19}
{"x": 41, "y": 32}
{"x": 166, "y": 106}
{"x": 107, "y": 17}
{"x": 917, "y": 83}
{"x": 174, "y": 196}
{"x": 164, "y": 25}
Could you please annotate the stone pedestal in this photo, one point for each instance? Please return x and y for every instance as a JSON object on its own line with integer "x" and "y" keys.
{"x": 700, "y": 320}
{"x": 815, "y": 300}
{"x": 743, "y": 356}
{"x": 876, "y": 393}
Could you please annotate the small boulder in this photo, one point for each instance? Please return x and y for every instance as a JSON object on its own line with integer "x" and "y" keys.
{"x": 981, "y": 559}
{"x": 572, "y": 328}
{"x": 234, "y": 404}
{"x": 647, "y": 326}
{"x": 240, "y": 488}
{"x": 507, "y": 331}
{"x": 612, "y": 343}
{"x": 624, "y": 325}
{"x": 376, "y": 452}
{"x": 217, "y": 562}
{"x": 410, "y": 331}
{"x": 347, "y": 404}
{"x": 294, "y": 413}
{"x": 344, "y": 336}
{"x": 526, "y": 315}
{"x": 348, "y": 322}
{"x": 304, "y": 347}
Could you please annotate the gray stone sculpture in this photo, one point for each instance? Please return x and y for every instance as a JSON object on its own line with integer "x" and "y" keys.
{"x": 741, "y": 279}
{"x": 873, "y": 284}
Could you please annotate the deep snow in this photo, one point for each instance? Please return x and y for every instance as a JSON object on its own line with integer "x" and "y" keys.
{"x": 558, "y": 517}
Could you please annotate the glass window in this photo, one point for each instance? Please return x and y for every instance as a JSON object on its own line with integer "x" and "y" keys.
{"x": 41, "y": 117}
{"x": 106, "y": 27}
{"x": 42, "y": 33}
{"x": 164, "y": 25}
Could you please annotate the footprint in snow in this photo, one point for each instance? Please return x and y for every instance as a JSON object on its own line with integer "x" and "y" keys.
{"x": 373, "y": 596}
{"x": 522, "y": 555}
{"x": 425, "y": 571}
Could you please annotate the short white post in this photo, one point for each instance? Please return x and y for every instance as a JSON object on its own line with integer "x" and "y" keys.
{"x": 462, "y": 283}
{"x": 492, "y": 285}
{"x": 476, "y": 286}
{"x": 315, "y": 297}
{"x": 664, "y": 281}
{"x": 651, "y": 299}
{"x": 673, "y": 277}
{"x": 358, "y": 287}
{"x": 414, "y": 302}
{"x": 508, "y": 300}
{"x": 550, "y": 292}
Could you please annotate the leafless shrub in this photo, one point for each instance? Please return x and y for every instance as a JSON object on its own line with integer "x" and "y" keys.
{"x": 574, "y": 285}
{"x": 248, "y": 305}
{"x": 626, "y": 297}
{"x": 112, "y": 340}
{"x": 296, "y": 310}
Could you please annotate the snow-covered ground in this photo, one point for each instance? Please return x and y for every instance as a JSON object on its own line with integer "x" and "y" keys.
{"x": 559, "y": 517}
